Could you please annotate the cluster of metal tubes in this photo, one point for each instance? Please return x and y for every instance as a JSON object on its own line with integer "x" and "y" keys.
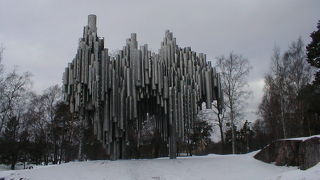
{"x": 113, "y": 92}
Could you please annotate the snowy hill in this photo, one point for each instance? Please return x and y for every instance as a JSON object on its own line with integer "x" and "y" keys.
{"x": 189, "y": 168}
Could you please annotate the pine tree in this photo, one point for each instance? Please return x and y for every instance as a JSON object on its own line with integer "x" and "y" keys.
{"x": 200, "y": 136}
{"x": 313, "y": 53}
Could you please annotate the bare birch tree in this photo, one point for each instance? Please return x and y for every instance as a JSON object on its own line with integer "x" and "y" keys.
{"x": 14, "y": 90}
{"x": 234, "y": 71}
{"x": 280, "y": 108}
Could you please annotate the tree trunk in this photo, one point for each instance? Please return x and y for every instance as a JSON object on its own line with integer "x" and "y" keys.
{"x": 233, "y": 138}
{"x": 283, "y": 121}
{"x": 221, "y": 134}
{"x": 13, "y": 162}
{"x": 61, "y": 149}
{"x": 55, "y": 152}
{"x": 232, "y": 128}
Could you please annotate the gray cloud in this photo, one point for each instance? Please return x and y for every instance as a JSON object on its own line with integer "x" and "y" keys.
{"x": 41, "y": 36}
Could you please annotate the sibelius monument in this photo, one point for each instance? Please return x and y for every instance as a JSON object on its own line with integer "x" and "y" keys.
{"x": 115, "y": 94}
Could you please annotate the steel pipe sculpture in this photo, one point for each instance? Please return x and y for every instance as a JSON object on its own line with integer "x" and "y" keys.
{"x": 113, "y": 92}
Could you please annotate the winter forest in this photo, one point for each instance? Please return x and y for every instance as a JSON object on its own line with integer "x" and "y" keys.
{"x": 52, "y": 127}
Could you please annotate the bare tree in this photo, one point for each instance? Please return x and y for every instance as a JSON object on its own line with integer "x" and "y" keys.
{"x": 51, "y": 97}
{"x": 280, "y": 69}
{"x": 13, "y": 89}
{"x": 13, "y": 107}
{"x": 2, "y": 88}
{"x": 1, "y": 65}
{"x": 13, "y": 93}
{"x": 234, "y": 71}
{"x": 289, "y": 74}
{"x": 220, "y": 122}
{"x": 41, "y": 116}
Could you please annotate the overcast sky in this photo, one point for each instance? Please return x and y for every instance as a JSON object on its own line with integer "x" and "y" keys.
{"x": 41, "y": 36}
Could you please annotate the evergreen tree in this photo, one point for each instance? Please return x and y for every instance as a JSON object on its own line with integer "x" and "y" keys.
{"x": 200, "y": 136}
{"x": 313, "y": 53}
{"x": 309, "y": 98}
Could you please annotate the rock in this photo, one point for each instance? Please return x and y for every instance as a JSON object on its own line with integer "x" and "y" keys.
{"x": 309, "y": 153}
{"x": 302, "y": 152}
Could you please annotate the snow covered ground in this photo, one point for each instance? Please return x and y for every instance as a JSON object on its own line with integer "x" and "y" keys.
{"x": 303, "y": 138}
{"x": 225, "y": 167}
{"x": 309, "y": 174}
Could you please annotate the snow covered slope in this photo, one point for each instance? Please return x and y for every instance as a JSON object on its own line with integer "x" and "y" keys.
{"x": 190, "y": 168}
{"x": 310, "y": 174}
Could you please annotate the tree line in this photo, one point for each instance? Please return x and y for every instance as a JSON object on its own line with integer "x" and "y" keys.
{"x": 39, "y": 128}
{"x": 290, "y": 104}
{"x": 34, "y": 128}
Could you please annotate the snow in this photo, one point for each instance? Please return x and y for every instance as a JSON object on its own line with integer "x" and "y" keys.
{"x": 303, "y": 138}
{"x": 310, "y": 174}
{"x": 18, "y": 166}
{"x": 184, "y": 168}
